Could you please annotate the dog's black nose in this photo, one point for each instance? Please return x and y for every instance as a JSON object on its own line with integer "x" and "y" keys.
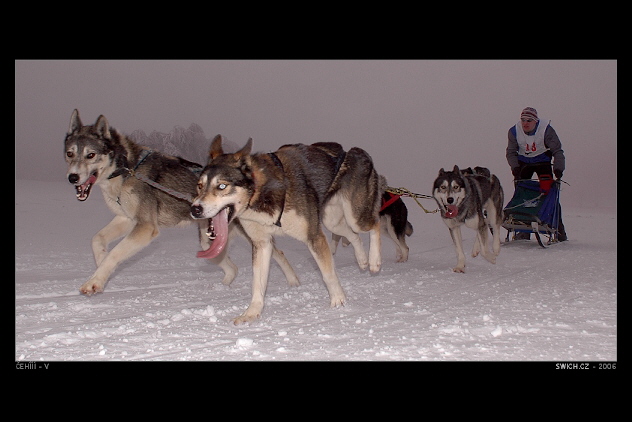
{"x": 196, "y": 211}
{"x": 450, "y": 200}
{"x": 73, "y": 178}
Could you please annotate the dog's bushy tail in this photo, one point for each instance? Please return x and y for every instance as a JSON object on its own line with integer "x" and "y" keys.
{"x": 409, "y": 229}
{"x": 499, "y": 197}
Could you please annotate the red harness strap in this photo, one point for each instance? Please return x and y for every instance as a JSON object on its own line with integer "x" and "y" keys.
{"x": 386, "y": 204}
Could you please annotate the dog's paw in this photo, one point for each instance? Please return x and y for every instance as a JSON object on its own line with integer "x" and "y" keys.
{"x": 361, "y": 258}
{"x": 490, "y": 257}
{"x": 476, "y": 250}
{"x": 228, "y": 278}
{"x": 251, "y": 314}
{"x": 459, "y": 270}
{"x": 246, "y": 317}
{"x": 91, "y": 286}
{"x": 375, "y": 261}
{"x": 338, "y": 300}
{"x": 293, "y": 281}
{"x": 402, "y": 257}
{"x": 375, "y": 267}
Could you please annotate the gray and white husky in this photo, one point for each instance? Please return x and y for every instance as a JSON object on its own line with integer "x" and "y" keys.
{"x": 99, "y": 155}
{"x": 474, "y": 198}
{"x": 294, "y": 191}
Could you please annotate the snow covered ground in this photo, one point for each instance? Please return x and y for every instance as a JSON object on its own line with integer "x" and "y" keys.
{"x": 558, "y": 304}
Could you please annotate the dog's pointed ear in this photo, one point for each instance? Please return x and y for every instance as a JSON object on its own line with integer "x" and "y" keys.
{"x": 441, "y": 172}
{"x": 75, "y": 122}
{"x": 456, "y": 169}
{"x": 245, "y": 151}
{"x": 216, "y": 148}
{"x": 246, "y": 167}
{"x": 102, "y": 127}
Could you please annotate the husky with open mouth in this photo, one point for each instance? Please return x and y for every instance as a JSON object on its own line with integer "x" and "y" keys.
{"x": 473, "y": 198}
{"x": 293, "y": 191}
{"x": 99, "y": 155}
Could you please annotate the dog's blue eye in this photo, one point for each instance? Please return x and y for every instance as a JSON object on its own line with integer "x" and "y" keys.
{"x": 221, "y": 186}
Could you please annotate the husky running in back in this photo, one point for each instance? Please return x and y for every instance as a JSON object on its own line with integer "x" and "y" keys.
{"x": 100, "y": 155}
{"x": 293, "y": 191}
{"x": 394, "y": 222}
{"x": 474, "y": 198}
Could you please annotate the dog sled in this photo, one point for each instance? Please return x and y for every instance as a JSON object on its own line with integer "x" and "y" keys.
{"x": 534, "y": 208}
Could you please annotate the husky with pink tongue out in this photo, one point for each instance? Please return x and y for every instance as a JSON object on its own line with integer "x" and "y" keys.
{"x": 473, "y": 198}
{"x": 294, "y": 191}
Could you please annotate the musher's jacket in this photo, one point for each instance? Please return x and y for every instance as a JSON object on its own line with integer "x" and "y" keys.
{"x": 539, "y": 146}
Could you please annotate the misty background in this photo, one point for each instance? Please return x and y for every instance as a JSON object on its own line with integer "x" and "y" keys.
{"x": 413, "y": 117}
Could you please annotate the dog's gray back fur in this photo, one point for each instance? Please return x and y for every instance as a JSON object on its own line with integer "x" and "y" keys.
{"x": 330, "y": 170}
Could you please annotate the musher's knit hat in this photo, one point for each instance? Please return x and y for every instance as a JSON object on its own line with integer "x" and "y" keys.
{"x": 529, "y": 113}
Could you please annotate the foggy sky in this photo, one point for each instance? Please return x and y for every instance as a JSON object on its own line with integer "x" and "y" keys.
{"x": 413, "y": 117}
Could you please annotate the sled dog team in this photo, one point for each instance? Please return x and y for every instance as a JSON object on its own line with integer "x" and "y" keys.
{"x": 294, "y": 191}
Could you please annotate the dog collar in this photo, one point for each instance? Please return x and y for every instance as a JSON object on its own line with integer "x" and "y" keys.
{"x": 119, "y": 171}
{"x": 125, "y": 171}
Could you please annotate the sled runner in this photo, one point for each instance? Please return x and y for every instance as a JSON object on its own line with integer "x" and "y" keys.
{"x": 534, "y": 208}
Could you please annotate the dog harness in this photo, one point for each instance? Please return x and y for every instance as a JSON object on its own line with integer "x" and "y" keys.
{"x": 390, "y": 201}
{"x": 279, "y": 164}
{"x": 339, "y": 160}
{"x": 125, "y": 172}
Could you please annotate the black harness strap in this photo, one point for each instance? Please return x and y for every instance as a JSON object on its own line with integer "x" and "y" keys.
{"x": 125, "y": 171}
{"x": 279, "y": 164}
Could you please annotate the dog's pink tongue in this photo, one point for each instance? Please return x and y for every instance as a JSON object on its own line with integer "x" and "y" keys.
{"x": 84, "y": 190}
{"x": 220, "y": 224}
{"x": 451, "y": 211}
